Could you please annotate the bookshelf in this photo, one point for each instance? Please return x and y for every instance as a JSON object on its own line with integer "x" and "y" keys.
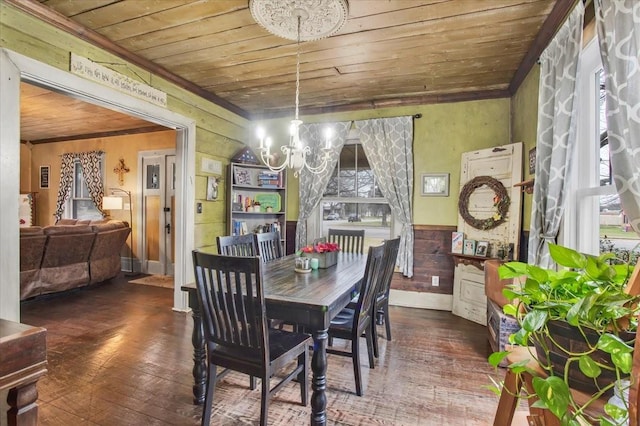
{"x": 256, "y": 200}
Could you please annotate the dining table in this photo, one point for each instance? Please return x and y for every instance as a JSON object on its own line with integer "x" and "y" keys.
{"x": 310, "y": 300}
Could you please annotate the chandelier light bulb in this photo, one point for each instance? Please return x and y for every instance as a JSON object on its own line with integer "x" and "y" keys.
{"x": 285, "y": 19}
{"x": 328, "y": 133}
{"x": 261, "y": 134}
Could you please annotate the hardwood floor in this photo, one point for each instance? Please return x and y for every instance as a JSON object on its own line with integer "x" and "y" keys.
{"x": 118, "y": 355}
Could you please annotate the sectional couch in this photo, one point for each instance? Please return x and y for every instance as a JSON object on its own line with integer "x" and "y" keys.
{"x": 69, "y": 254}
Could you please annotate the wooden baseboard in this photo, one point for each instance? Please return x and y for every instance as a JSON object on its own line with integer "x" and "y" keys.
{"x": 414, "y": 299}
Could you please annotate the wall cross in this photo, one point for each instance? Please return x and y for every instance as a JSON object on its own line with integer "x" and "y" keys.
{"x": 120, "y": 170}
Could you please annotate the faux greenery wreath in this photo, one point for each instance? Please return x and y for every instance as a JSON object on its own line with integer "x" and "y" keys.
{"x": 501, "y": 202}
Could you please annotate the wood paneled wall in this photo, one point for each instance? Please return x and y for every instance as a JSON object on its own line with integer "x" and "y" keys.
{"x": 431, "y": 256}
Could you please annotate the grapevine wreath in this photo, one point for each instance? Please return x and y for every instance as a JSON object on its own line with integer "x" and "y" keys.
{"x": 501, "y": 202}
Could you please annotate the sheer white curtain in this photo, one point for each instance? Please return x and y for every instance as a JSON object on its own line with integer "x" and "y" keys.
{"x": 556, "y": 135}
{"x": 618, "y": 26}
{"x": 312, "y": 186}
{"x": 388, "y": 144}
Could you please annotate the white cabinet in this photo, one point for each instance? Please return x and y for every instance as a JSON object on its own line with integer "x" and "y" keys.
{"x": 256, "y": 200}
{"x": 469, "y": 299}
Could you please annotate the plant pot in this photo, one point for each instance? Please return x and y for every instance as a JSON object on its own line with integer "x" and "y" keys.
{"x": 570, "y": 338}
{"x": 325, "y": 260}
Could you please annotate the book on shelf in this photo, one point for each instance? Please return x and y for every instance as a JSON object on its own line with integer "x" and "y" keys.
{"x": 239, "y": 227}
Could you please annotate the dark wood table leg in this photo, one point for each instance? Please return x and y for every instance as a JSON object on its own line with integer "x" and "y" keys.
{"x": 199, "y": 352}
{"x": 23, "y": 408}
{"x": 319, "y": 379}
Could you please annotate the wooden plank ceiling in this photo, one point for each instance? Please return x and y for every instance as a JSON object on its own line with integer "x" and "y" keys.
{"x": 389, "y": 53}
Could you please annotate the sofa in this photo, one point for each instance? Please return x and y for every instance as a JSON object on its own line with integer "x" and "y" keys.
{"x": 69, "y": 254}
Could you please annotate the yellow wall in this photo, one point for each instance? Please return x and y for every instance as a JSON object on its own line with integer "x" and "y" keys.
{"x": 116, "y": 147}
{"x": 525, "y": 121}
{"x": 219, "y": 132}
{"x": 443, "y": 133}
{"x": 25, "y": 168}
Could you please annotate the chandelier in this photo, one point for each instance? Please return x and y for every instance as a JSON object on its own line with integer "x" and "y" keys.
{"x": 322, "y": 18}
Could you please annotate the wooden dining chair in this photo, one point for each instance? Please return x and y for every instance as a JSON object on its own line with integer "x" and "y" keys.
{"x": 237, "y": 245}
{"x": 381, "y": 303}
{"x": 352, "y": 324}
{"x": 231, "y": 297}
{"x": 269, "y": 246}
{"x": 350, "y": 240}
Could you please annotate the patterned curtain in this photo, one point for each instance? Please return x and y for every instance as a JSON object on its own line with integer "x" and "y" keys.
{"x": 556, "y": 135}
{"x": 388, "y": 144}
{"x": 312, "y": 185}
{"x": 66, "y": 179}
{"x": 90, "y": 163}
{"x": 618, "y": 26}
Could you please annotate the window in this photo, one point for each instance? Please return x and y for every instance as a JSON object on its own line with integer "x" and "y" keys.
{"x": 599, "y": 223}
{"x": 80, "y": 205}
{"x": 353, "y": 200}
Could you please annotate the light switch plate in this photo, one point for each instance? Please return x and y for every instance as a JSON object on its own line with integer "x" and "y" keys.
{"x": 211, "y": 166}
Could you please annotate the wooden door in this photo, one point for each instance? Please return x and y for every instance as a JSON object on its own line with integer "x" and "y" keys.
{"x": 158, "y": 210}
{"x": 503, "y": 163}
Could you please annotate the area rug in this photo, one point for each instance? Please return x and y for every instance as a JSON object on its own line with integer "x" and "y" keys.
{"x": 165, "y": 281}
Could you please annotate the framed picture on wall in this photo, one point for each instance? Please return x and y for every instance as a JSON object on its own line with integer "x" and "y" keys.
{"x": 212, "y": 188}
{"x": 469, "y": 247}
{"x": 532, "y": 161}
{"x": 435, "y": 185}
{"x": 44, "y": 177}
{"x": 482, "y": 248}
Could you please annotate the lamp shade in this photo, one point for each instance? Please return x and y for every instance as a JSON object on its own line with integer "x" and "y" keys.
{"x": 112, "y": 203}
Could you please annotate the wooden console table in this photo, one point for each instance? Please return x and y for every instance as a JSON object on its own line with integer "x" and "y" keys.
{"x": 23, "y": 360}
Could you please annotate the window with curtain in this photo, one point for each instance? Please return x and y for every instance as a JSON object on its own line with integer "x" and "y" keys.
{"x": 353, "y": 199}
{"x": 597, "y": 224}
{"x": 80, "y": 205}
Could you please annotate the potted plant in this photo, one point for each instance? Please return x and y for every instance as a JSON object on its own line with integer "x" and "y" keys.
{"x": 326, "y": 253}
{"x": 586, "y": 300}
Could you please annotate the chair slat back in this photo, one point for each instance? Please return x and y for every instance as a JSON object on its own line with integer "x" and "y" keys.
{"x": 237, "y": 245}
{"x": 373, "y": 274}
{"x": 269, "y": 246}
{"x": 231, "y": 297}
{"x": 391, "y": 248}
{"x": 350, "y": 240}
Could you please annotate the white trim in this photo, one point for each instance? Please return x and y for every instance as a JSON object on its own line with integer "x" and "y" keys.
{"x": 581, "y": 224}
{"x": 15, "y": 67}
{"x": 414, "y": 299}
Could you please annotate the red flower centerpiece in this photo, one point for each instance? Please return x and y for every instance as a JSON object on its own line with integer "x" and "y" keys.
{"x": 326, "y": 253}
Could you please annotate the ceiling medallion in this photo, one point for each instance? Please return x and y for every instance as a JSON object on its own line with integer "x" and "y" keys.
{"x": 318, "y": 18}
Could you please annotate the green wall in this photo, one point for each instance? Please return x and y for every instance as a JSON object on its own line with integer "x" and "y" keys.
{"x": 443, "y": 133}
{"x": 524, "y": 105}
{"x": 218, "y": 131}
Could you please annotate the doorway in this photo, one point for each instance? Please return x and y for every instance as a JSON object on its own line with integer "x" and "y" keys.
{"x": 15, "y": 68}
{"x": 158, "y": 186}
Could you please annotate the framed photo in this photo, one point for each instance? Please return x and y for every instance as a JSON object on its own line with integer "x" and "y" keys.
{"x": 469, "y": 247}
{"x": 482, "y": 248}
{"x": 435, "y": 185}
{"x": 532, "y": 161}
{"x": 457, "y": 240}
{"x": 44, "y": 177}
{"x": 212, "y": 188}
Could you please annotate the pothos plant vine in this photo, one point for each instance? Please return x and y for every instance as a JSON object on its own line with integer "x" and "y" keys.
{"x": 588, "y": 293}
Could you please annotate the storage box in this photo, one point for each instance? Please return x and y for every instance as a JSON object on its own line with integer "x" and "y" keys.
{"x": 499, "y": 327}
{"x": 325, "y": 260}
